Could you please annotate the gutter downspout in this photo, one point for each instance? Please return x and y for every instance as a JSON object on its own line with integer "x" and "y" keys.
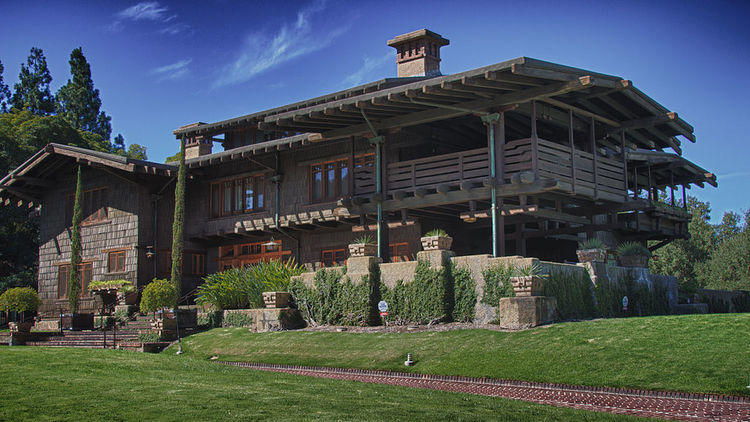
{"x": 490, "y": 120}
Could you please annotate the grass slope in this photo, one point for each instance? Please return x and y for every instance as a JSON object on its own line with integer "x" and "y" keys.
{"x": 694, "y": 353}
{"x": 73, "y": 384}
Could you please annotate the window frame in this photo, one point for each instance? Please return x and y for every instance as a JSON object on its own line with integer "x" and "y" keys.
{"x": 342, "y": 186}
{"x": 334, "y": 262}
{"x": 86, "y": 270}
{"x": 120, "y": 261}
{"x": 101, "y": 214}
{"x": 235, "y": 186}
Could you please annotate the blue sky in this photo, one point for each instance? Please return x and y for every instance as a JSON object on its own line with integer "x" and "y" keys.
{"x": 160, "y": 65}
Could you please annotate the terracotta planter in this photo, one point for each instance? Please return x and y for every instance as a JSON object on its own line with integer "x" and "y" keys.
{"x": 436, "y": 243}
{"x": 592, "y": 255}
{"x": 363, "y": 249}
{"x": 639, "y": 261}
{"x": 276, "y": 299}
{"x": 529, "y": 285}
{"x": 20, "y": 327}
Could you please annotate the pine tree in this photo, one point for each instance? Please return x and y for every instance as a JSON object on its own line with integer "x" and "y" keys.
{"x": 78, "y": 101}
{"x": 74, "y": 283}
{"x": 118, "y": 144}
{"x": 4, "y": 92}
{"x": 179, "y": 215}
{"x": 32, "y": 89}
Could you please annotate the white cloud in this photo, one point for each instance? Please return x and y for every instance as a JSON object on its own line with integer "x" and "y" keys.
{"x": 147, "y": 10}
{"x": 172, "y": 71}
{"x": 368, "y": 66}
{"x": 293, "y": 39}
{"x": 733, "y": 175}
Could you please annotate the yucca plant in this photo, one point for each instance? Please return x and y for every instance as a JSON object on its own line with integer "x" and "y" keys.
{"x": 436, "y": 232}
{"x": 633, "y": 249}
{"x": 593, "y": 243}
{"x": 532, "y": 270}
{"x": 364, "y": 239}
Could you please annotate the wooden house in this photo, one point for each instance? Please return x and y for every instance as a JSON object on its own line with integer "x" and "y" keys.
{"x": 522, "y": 157}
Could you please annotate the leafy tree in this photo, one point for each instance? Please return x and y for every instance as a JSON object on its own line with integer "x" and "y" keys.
{"x": 729, "y": 267}
{"x": 687, "y": 259}
{"x": 118, "y": 144}
{"x": 78, "y": 101}
{"x": 730, "y": 226}
{"x": 32, "y": 90}
{"x": 173, "y": 158}
{"x": 4, "y": 92}
{"x": 74, "y": 283}
{"x": 137, "y": 152}
{"x": 159, "y": 294}
{"x": 179, "y": 215}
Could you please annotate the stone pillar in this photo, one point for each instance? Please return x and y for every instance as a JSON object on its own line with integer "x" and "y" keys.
{"x": 359, "y": 266}
{"x": 437, "y": 258}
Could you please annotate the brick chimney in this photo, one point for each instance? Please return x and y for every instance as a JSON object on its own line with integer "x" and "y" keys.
{"x": 197, "y": 146}
{"x": 418, "y": 53}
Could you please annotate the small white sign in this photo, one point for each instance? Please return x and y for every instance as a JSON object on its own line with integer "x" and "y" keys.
{"x": 383, "y": 306}
{"x": 624, "y": 302}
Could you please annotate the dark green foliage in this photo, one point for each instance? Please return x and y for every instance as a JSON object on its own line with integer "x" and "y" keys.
{"x": 159, "y": 294}
{"x": 573, "y": 290}
{"x": 424, "y": 300}
{"x": 632, "y": 249}
{"x": 105, "y": 322}
{"x": 179, "y": 217}
{"x": 238, "y": 288}
{"x": 136, "y": 152}
{"x": 729, "y": 267}
{"x": 78, "y": 101}
{"x": 173, "y": 158}
{"x": 4, "y": 92}
{"x": 335, "y": 300}
{"x": 149, "y": 336}
{"x": 497, "y": 284}
{"x": 236, "y": 319}
{"x": 641, "y": 300}
{"x": 210, "y": 319}
{"x": 32, "y": 90}
{"x": 20, "y": 299}
{"x": 465, "y": 294}
{"x": 74, "y": 282}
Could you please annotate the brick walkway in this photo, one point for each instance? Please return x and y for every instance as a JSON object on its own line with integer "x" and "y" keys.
{"x": 658, "y": 404}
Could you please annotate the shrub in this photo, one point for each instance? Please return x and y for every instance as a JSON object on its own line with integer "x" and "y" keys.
{"x": 497, "y": 284}
{"x": 632, "y": 249}
{"x": 150, "y": 336}
{"x": 573, "y": 292}
{"x": 365, "y": 239}
{"x": 237, "y": 319}
{"x": 238, "y": 288}
{"x": 122, "y": 285}
{"x": 531, "y": 270}
{"x": 428, "y": 298}
{"x": 158, "y": 294}
{"x": 436, "y": 232}
{"x": 20, "y": 299}
{"x": 210, "y": 319}
{"x": 593, "y": 243}
{"x": 465, "y": 294}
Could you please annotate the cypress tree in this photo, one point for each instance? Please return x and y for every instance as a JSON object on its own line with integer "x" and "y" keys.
{"x": 74, "y": 282}
{"x": 32, "y": 89}
{"x": 179, "y": 216}
{"x": 4, "y": 92}
{"x": 78, "y": 101}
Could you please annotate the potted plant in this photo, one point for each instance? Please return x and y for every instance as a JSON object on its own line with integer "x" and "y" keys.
{"x": 592, "y": 250}
{"x": 633, "y": 254}
{"x": 436, "y": 240}
{"x": 158, "y": 296}
{"x": 528, "y": 280}
{"x": 20, "y": 300}
{"x": 363, "y": 246}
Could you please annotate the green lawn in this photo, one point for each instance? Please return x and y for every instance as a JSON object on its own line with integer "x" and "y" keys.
{"x": 695, "y": 353}
{"x": 76, "y": 384}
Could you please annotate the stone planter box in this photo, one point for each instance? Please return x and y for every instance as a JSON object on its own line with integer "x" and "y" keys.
{"x": 20, "y": 327}
{"x": 78, "y": 322}
{"x": 529, "y": 285}
{"x": 129, "y": 298}
{"x": 363, "y": 249}
{"x": 592, "y": 255}
{"x": 633, "y": 261}
{"x": 276, "y": 299}
{"x": 436, "y": 243}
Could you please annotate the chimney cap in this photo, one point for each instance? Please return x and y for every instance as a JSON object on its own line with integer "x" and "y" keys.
{"x": 418, "y": 34}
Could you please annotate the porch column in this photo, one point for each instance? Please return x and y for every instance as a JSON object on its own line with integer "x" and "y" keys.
{"x": 496, "y": 141}
{"x": 378, "y": 142}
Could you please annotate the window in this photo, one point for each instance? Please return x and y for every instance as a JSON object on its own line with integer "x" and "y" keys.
{"x": 237, "y": 196}
{"x": 63, "y": 276}
{"x": 333, "y": 257}
{"x": 116, "y": 262}
{"x": 231, "y": 256}
{"x": 399, "y": 252}
{"x": 197, "y": 264}
{"x": 93, "y": 206}
{"x": 329, "y": 181}
{"x": 164, "y": 264}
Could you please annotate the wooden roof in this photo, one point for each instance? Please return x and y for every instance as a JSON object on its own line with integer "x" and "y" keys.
{"x": 669, "y": 169}
{"x": 24, "y": 185}
{"x": 608, "y": 99}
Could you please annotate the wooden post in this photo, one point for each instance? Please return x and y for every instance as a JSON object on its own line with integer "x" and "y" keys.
{"x": 385, "y": 253}
{"x": 684, "y": 198}
{"x": 671, "y": 185}
{"x": 635, "y": 182}
{"x": 650, "y": 195}
{"x": 572, "y": 151}
{"x": 624, "y": 162}
{"x": 500, "y": 150}
{"x": 534, "y": 142}
{"x": 593, "y": 155}
{"x": 351, "y": 166}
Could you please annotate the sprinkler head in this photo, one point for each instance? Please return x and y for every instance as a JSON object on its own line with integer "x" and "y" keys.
{"x": 409, "y": 361}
